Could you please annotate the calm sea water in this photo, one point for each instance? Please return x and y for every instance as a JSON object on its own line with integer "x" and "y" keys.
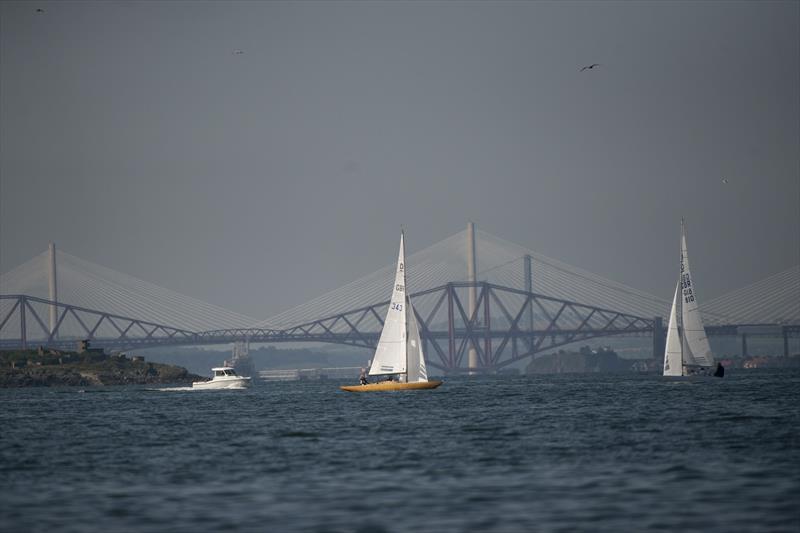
{"x": 552, "y": 453}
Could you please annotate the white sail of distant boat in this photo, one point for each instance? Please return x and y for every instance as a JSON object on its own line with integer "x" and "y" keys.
{"x": 416, "y": 359}
{"x": 390, "y": 355}
{"x": 673, "y": 363}
{"x": 687, "y": 350}
{"x": 399, "y": 351}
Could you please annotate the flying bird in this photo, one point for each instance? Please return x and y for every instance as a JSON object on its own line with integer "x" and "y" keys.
{"x": 725, "y": 180}
{"x": 238, "y": 52}
{"x": 587, "y": 67}
{"x": 39, "y": 10}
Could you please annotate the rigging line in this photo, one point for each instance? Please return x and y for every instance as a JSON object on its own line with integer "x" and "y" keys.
{"x": 119, "y": 301}
{"x": 764, "y": 307}
{"x": 633, "y": 292}
{"x": 123, "y": 300}
{"x": 381, "y": 277}
{"x": 377, "y": 290}
{"x": 581, "y": 273}
{"x": 756, "y": 288}
{"x": 26, "y": 287}
{"x": 120, "y": 304}
{"x": 342, "y": 297}
{"x": 435, "y": 276}
{"x": 556, "y": 283}
{"x": 130, "y": 304}
{"x": 604, "y": 292}
{"x": 32, "y": 276}
{"x": 27, "y": 264}
{"x": 739, "y": 308}
{"x": 191, "y": 310}
{"x": 86, "y": 295}
{"x": 209, "y": 310}
{"x": 563, "y": 282}
{"x": 714, "y": 307}
{"x": 186, "y": 306}
{"x": 765, "y": 294}
{"x": 486, "y": 271}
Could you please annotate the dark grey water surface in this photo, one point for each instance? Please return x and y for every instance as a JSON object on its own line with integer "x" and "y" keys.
{"x": 554, "y": 453}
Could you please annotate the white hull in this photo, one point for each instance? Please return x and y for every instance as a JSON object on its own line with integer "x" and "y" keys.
{"x": 692, "y": 377}
{"x": 697, "y": 371}
{"x": 232, "y": 382}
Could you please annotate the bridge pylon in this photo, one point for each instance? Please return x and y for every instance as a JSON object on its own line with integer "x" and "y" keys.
{"x": 52, "y": 287}
{"x": 472, "y": 292}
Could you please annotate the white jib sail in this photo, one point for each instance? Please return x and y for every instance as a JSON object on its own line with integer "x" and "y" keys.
{"x": 390, "y": 355}
{"x": 673, "y": 363}
{"x": 416, "y": 359}
{"x": 696, "y": 349}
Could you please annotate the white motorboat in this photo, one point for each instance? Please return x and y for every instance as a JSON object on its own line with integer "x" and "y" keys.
{"x": 225, "y": 377}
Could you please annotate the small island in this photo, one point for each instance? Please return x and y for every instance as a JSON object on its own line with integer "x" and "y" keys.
{"x": 84, "y": 367}
{"x": 586, "y": 360}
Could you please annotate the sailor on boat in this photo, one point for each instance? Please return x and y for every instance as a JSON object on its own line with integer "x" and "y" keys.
{"x": 720, "y": 371}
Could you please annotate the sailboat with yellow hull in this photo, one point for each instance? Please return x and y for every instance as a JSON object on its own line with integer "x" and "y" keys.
{"x": 391, "y": 385}
{"x": 399, "y": 350}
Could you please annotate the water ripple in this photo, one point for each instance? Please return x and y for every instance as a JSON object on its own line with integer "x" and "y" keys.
{"x": 548, "y": 453}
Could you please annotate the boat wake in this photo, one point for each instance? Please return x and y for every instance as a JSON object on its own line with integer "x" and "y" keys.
{"x": 193, "y": 389}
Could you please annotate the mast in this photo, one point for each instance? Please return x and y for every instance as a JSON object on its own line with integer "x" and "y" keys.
{"x": 679, "y": 310}
{"x": 53, "y": 287}
{"x": 696, "y": 350}
{"x": 405, "y": 293}
{"x": 472, "y": 292}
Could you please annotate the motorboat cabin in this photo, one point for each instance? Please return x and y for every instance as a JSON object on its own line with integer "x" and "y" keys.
{"x": 224, "y": 377}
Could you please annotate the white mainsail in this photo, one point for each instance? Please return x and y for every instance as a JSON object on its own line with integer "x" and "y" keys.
{"x": 687, "y": 344}
{"x": 673, "y": 363}
{"x": 696, "y": 349}
{"x": 399, "y": 349}
{"x": 390, "y": 355}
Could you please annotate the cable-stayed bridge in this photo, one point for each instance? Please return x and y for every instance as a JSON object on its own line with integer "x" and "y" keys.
{"x": 517, "y": 304}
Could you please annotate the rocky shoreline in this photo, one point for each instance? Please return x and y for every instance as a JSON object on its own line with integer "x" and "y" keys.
{"x": 70, "y": 369}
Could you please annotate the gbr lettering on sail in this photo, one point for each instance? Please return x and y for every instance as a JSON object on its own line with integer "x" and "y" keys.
{"x": 686, "y": 284}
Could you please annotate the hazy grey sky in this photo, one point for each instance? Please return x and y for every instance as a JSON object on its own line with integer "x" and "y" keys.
{"x": 134, "y": 136}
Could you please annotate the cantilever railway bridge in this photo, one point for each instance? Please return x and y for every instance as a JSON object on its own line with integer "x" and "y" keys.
{"x": 519, "y": 304}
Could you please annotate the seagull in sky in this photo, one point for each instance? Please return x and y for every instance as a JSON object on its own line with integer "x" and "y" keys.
{"x": 725, "y": 180}
{"x": 39, "y": 10}
{"x": 587, "y": 67}
{"x": 238, "y": 52}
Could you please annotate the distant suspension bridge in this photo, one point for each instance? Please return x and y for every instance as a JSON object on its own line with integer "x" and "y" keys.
{"x": 483, "y": 323}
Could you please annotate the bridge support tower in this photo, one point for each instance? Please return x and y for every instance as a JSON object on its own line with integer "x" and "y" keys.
{"x": 472, "y": 291}
{"x": 53, "y": 287}
{"x": 529, "y": 288}
{"x": 658, "y": 338}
